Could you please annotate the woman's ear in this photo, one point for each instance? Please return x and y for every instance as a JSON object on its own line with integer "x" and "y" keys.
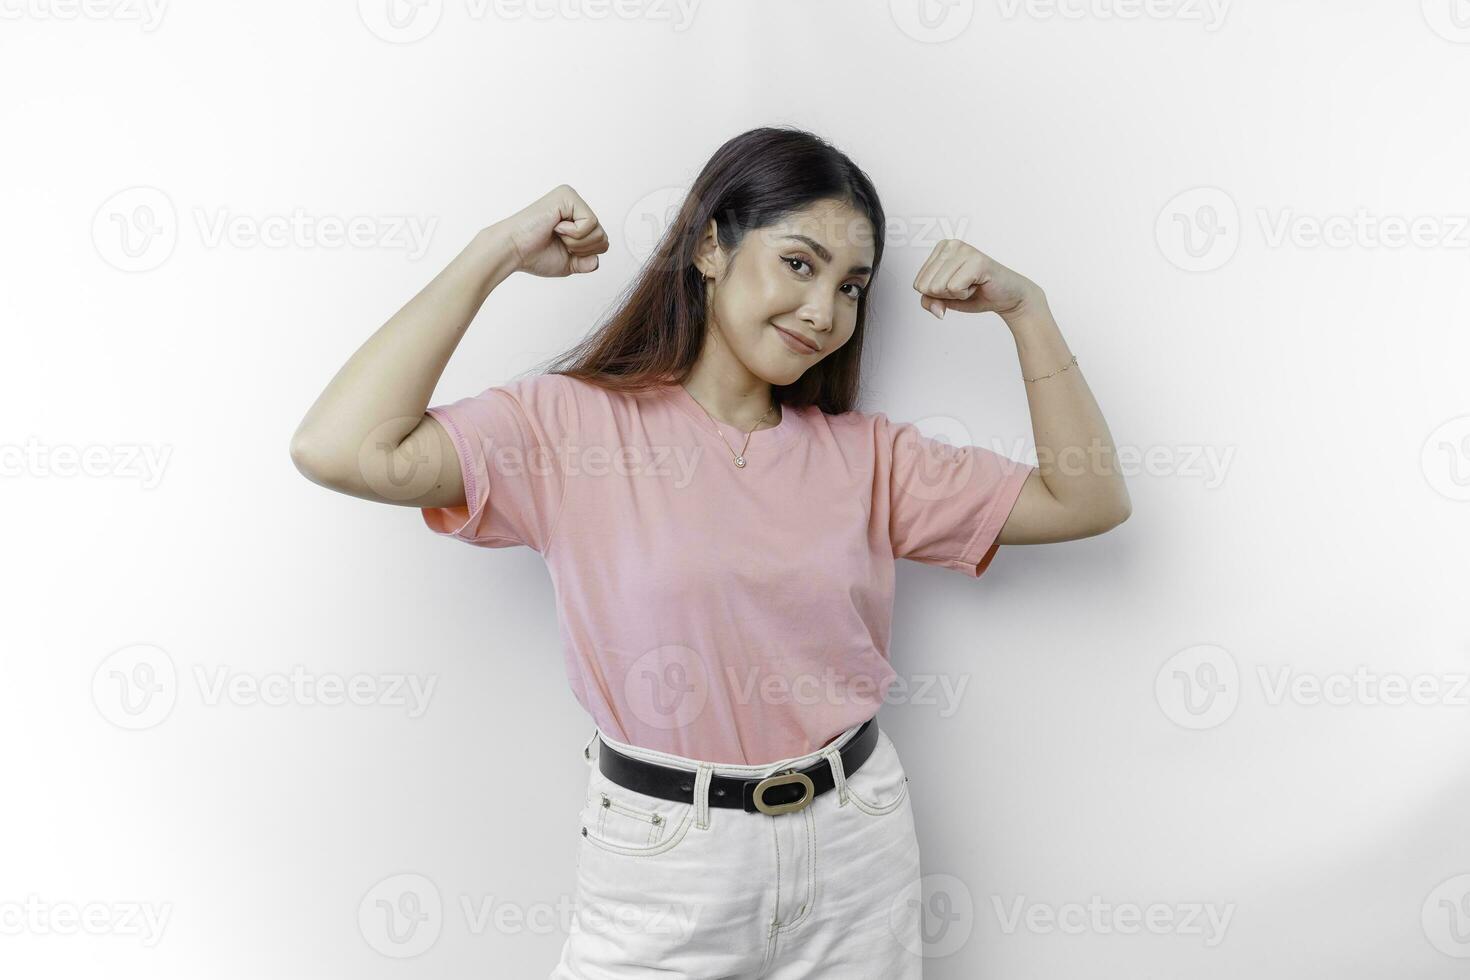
{"x": 708, "y": 257}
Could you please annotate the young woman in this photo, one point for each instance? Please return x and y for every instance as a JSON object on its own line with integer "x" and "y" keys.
{"x": 721, "y": 528}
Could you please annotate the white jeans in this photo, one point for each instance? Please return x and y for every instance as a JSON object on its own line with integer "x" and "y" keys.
{"x": 686, "y": 890}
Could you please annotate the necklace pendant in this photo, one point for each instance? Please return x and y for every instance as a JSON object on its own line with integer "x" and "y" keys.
{"x": 739, "y": 460}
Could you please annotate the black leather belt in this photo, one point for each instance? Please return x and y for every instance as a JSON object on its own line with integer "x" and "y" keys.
{"x": 791, "y": 789}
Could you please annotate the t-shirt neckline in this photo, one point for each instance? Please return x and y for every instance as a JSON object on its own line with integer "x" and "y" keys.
{"x": 777, "y": 436}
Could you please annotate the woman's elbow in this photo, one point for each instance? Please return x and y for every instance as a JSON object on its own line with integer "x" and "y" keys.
{"x": 312, "y": 461}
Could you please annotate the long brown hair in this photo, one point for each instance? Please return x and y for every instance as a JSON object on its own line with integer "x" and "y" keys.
{"x": 655, "y": 333}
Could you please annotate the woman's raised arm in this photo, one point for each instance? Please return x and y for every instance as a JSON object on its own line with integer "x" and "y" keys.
{"x": 366, "y": 434}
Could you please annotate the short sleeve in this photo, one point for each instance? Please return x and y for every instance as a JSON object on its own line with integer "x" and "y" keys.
{"x": 510, "y": 440}
{"x": 947, "y": 502}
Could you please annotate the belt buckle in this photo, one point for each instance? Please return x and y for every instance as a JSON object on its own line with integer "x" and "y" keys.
{"x": 781, "y": 779}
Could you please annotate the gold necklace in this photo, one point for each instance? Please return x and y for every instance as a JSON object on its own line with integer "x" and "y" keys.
{"x": 740, "y": 456}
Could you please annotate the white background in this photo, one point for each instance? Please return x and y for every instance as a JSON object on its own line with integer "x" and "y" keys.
{"x": 1138, "y": 168}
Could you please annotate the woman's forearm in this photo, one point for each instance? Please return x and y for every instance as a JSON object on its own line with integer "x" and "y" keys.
{"x": 1074, "y": 450}
{"x": 383, "y": 389}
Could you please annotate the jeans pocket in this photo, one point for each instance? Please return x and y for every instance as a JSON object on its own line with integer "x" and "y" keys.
{"x": 880, "y": 784}
{"x": 624, "y": 821}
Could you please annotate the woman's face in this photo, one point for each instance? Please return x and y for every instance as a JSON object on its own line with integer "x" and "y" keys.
{"x": 798, "y": 279}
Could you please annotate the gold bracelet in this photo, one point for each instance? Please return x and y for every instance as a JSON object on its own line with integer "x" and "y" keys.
{"x": 1057, "y": 371}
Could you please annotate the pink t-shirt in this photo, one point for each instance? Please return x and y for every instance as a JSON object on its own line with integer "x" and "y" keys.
{"x": 734, "y": 615}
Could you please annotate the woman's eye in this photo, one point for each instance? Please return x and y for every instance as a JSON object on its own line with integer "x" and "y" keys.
{"x": 861, "y": 289}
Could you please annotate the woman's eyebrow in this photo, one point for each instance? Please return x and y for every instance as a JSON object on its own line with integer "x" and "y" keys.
{"x": 826, "y": 256}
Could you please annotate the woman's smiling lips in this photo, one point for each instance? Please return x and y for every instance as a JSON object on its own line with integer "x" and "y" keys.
{"x": 797, "y": 344}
